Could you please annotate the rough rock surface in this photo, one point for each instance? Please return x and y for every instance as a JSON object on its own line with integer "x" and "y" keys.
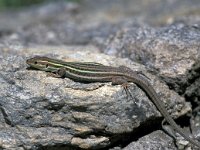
{"x": 159, "y": 38}
{"x": 148, "y": 142}
{"x": 171, "y": 50}
{"x": 39, "y": 111}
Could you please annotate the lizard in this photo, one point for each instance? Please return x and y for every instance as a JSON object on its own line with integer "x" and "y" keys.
{"x": 96, "y": 72}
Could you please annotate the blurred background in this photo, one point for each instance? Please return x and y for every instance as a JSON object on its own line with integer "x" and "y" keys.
{"x": 72, "y": 22}
{"x": 17, "y": 4}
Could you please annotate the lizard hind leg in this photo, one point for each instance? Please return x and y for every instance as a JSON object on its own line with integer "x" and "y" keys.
{"x": 124, "y": 83}
{"x": 126, "y": 89}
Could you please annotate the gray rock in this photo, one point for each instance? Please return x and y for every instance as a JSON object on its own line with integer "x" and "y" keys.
{"x": 41, "y": 111}
{"x": 60, "y": 23}
{"x": 156, "y": 140}
{"x": 170, "y": 51}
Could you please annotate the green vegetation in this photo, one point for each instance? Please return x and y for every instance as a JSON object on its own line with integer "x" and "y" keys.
{"x": 6, "y": 4}
{"x": 18, "y": 3}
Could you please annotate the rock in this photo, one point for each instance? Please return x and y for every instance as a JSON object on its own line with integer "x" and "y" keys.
{"x": 42, "y": 111}
{"x": 159, "y": 38}
{"x": 155, "y": 140}
{"x": 170, "y": 51}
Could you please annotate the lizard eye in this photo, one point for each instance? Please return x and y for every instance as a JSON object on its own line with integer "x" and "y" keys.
{"x": 35, "y": 62}
{"x": 47, "y": 65}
